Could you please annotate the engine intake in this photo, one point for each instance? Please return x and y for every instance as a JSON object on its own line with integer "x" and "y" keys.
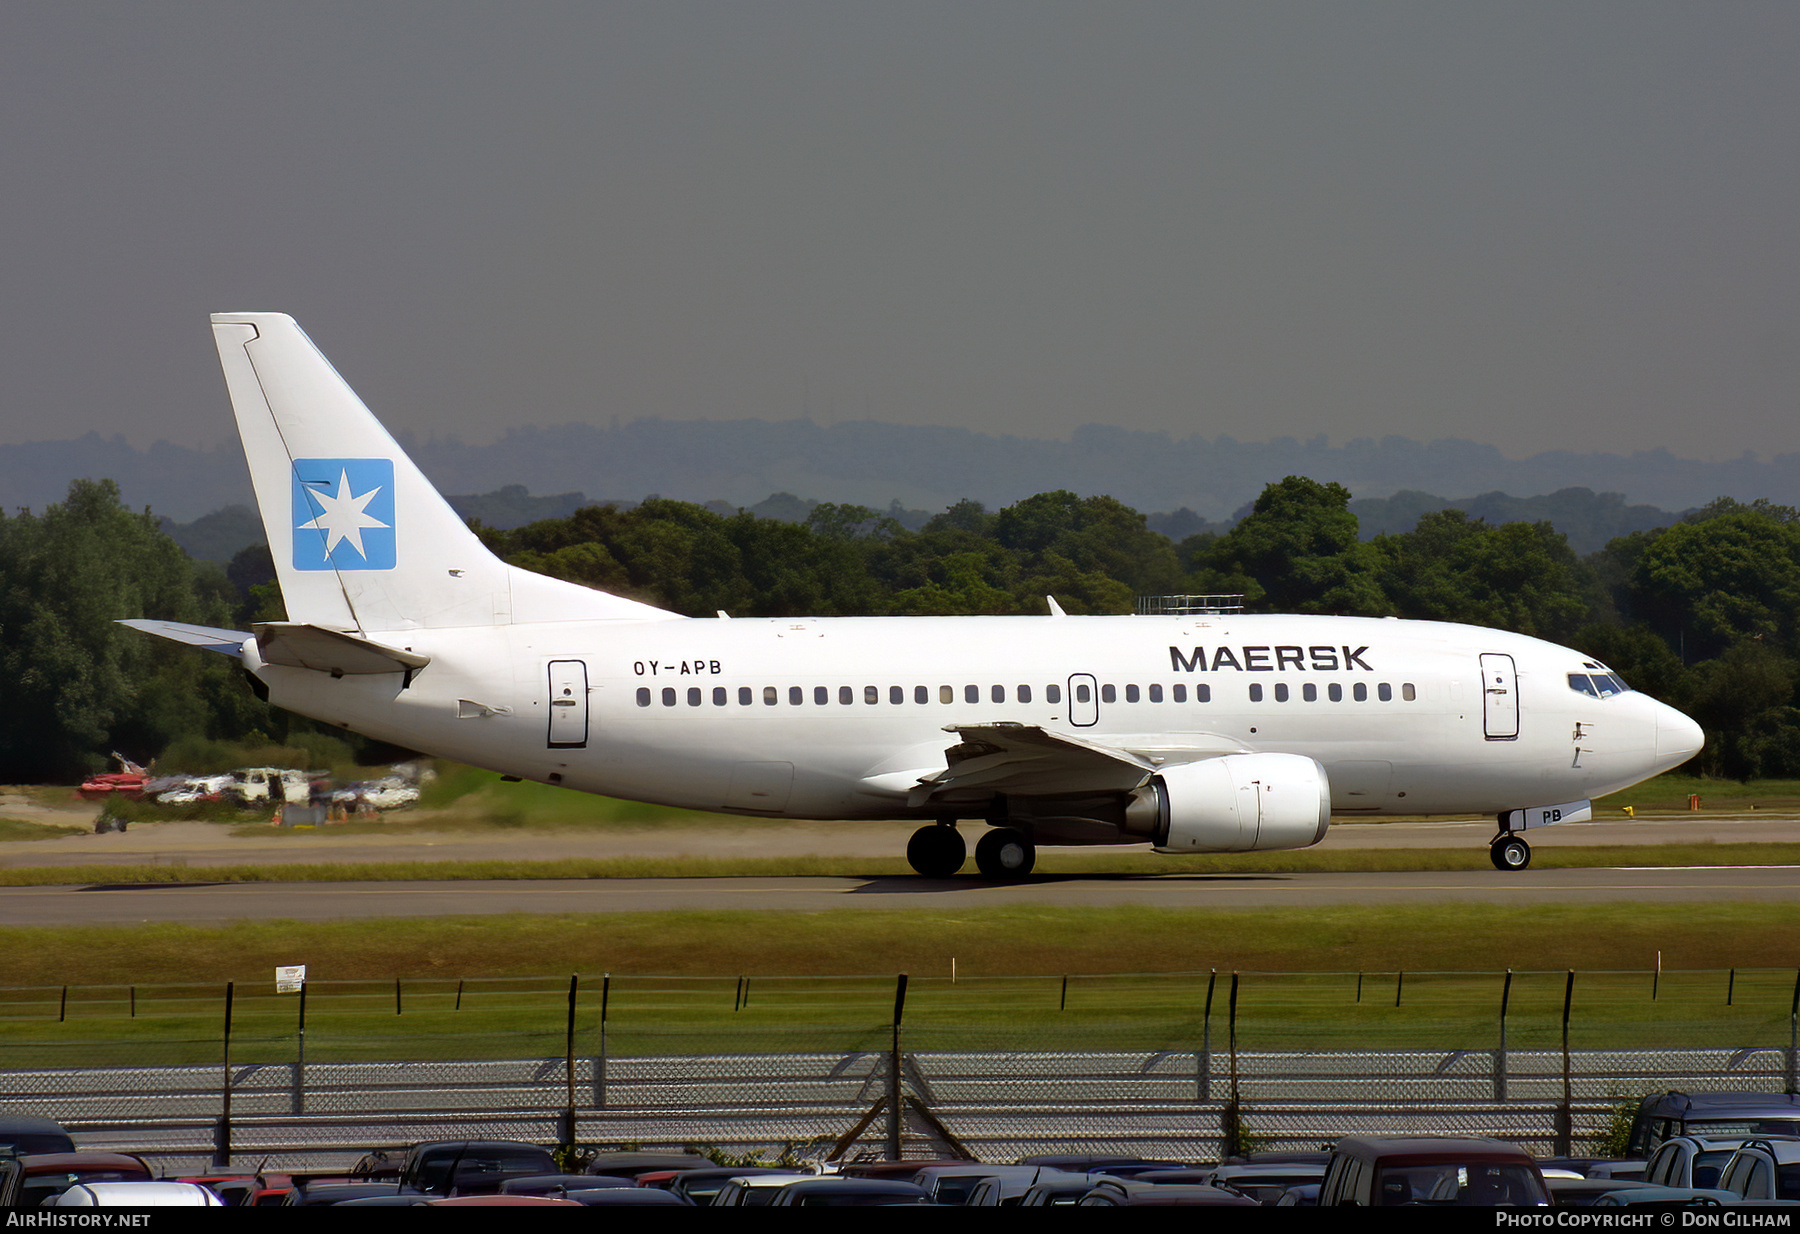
{"x": 1237, "y": 803}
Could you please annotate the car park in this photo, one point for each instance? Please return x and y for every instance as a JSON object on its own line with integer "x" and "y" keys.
{"x": 1436, "y": 1170}
{"x": 703, "y": 1186}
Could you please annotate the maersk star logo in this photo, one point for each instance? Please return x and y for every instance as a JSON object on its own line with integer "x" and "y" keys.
{"x": 344, "y": 514}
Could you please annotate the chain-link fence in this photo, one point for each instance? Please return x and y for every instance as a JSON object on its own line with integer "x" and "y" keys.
{"x": 1181, "y": 1065}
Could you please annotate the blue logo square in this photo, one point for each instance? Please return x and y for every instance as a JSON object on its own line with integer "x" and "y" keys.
{"x": 344, "y": 514}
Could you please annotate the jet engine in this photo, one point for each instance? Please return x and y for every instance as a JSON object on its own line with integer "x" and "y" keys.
{"x": 1234, "y": 804}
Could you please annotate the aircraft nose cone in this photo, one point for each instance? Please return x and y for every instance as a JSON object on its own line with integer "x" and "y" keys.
{"x": 1677, "y": 737}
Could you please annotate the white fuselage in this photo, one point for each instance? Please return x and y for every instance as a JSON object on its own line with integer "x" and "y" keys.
{"x": 834, "y": 718}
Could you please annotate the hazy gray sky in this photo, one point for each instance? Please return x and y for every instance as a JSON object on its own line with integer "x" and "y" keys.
{"x": 1538, "y": 225}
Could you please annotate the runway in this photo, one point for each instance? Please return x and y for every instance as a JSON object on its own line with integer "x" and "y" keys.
{"x": 122, "y": 904}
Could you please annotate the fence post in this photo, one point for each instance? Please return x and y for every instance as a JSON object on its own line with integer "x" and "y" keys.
{"x": 1565, "y": 1115}
{"x": 222, "y": 1132}
{"x": 568, "y": 1118}
{"x": 1793, "y": 1032}
{"x": 600, "y": 1058}
{"x": 300, "y": 1057}
{"x": 1206, "y": 1040}
{"x": 1500, "y": 1054}
{"x": 1231, "y": 1118}
{"x": 895, "y": 1119}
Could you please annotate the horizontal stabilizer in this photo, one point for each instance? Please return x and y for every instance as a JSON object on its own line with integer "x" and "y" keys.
{"x": 331, "y": 651}
{"x": 210, "y": 638}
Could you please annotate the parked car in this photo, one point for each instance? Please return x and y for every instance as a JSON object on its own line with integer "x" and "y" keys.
{"x": 154, "y": 1194}
{"x": 1690, "y": 1160}
{"x": 836, "y": 1191}
{"x": 1764, "y": 1169}
{"x": 471, "y": 1167}
{"x": 703, "y": 1186}
{"x": 1008, "y": 1189}
{"x": 754, "y": 1190}
{"x": 1662, "y": 1116}
{"x": 1438, "y": 1170}
{"x": 1136, "y": 1193}
{"x": 46, "y": 1175}
{"x": 25, "y": 1134}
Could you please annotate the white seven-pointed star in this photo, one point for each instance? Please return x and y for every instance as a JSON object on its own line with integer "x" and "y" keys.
{"x": 343, "y": 517}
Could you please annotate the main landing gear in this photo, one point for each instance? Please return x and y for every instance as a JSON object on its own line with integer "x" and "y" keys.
{"x": 1005, "y": 853}
{"x": 1509, "y": 852}
{"x": 938, "y": 851}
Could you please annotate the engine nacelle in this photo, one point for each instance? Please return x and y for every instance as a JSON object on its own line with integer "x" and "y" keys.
{"x": 1238, "y": 803}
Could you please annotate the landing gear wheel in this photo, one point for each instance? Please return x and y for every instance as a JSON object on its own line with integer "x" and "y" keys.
{"x": 936, "y": 851}
{"x": 1510, "y": 853}
{"x": 1005, "y": 853}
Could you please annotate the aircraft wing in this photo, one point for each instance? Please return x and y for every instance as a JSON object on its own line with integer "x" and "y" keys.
{"x": 212, "y": 638}
{"x": 1029, "y": 760}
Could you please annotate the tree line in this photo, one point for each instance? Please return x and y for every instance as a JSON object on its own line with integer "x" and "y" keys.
{"x": 1703, "y": 614}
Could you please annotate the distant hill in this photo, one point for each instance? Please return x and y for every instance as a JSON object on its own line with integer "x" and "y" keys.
{"x": 739, "y": 463}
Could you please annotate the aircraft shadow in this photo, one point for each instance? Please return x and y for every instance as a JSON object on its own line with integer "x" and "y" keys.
{"x": 913, "y": 884}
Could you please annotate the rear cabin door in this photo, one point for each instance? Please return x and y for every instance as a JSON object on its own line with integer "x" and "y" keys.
{"x": 1499, "y": 697}
{"x": 568, "y": 704}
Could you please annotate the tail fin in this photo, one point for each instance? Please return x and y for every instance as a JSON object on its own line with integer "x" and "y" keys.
{"x": 361, "y": 539}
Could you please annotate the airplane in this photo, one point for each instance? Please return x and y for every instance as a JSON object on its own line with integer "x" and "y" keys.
{"x": 1198, "y": 732}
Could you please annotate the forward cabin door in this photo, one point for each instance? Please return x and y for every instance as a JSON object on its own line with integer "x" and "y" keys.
{"x": 1499, "y": 697}
{"x": 568, "y": 704}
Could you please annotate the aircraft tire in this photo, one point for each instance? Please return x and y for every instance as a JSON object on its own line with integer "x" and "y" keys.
{"x": 936, "y": 851}
{"x": 1005, "y": 853}
{"x": 1510, "y": 853}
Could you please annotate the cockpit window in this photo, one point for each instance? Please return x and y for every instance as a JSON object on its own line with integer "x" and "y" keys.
{"x": 1601, "y": 684}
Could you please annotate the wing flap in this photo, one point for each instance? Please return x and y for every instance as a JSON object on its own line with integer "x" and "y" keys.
{"x": 331, "y": 651}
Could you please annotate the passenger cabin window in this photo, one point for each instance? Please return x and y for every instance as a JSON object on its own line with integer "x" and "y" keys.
{"x": 796, "y": 696}
{"x": 770, "y": 698}
{"x": 668, "y": 696}
{"x": 1256, "y": 692}
{"x": 643, "y": 696}
{"x": 1309, "y": 692}
{"x": 998, "y": 694}
{"x": 1176, "y": 693}
{"x": 1108, "y": 694}
{"x": 1083, "y": 694}
{"x": 896, "y": 694}
{"x": 1385, "y": 691}
{"x": 971, "y": 694}
{"x": 745, "y": 695}
{"x": 1024, "y": 694}
{"x": 1156, "y": 694}
{"x": 1360, "y": 692}
{"x": 846, "y": 695}
{"x": 871, "y": 694}
{"x": 1053, "y": 694}
{"x": 946, "y": 694}
{"x": 921, "y": 694}
{"x": 718, "y": 696}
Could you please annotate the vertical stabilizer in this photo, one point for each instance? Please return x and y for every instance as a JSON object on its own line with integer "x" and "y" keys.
{"x": 361, "y": 539}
